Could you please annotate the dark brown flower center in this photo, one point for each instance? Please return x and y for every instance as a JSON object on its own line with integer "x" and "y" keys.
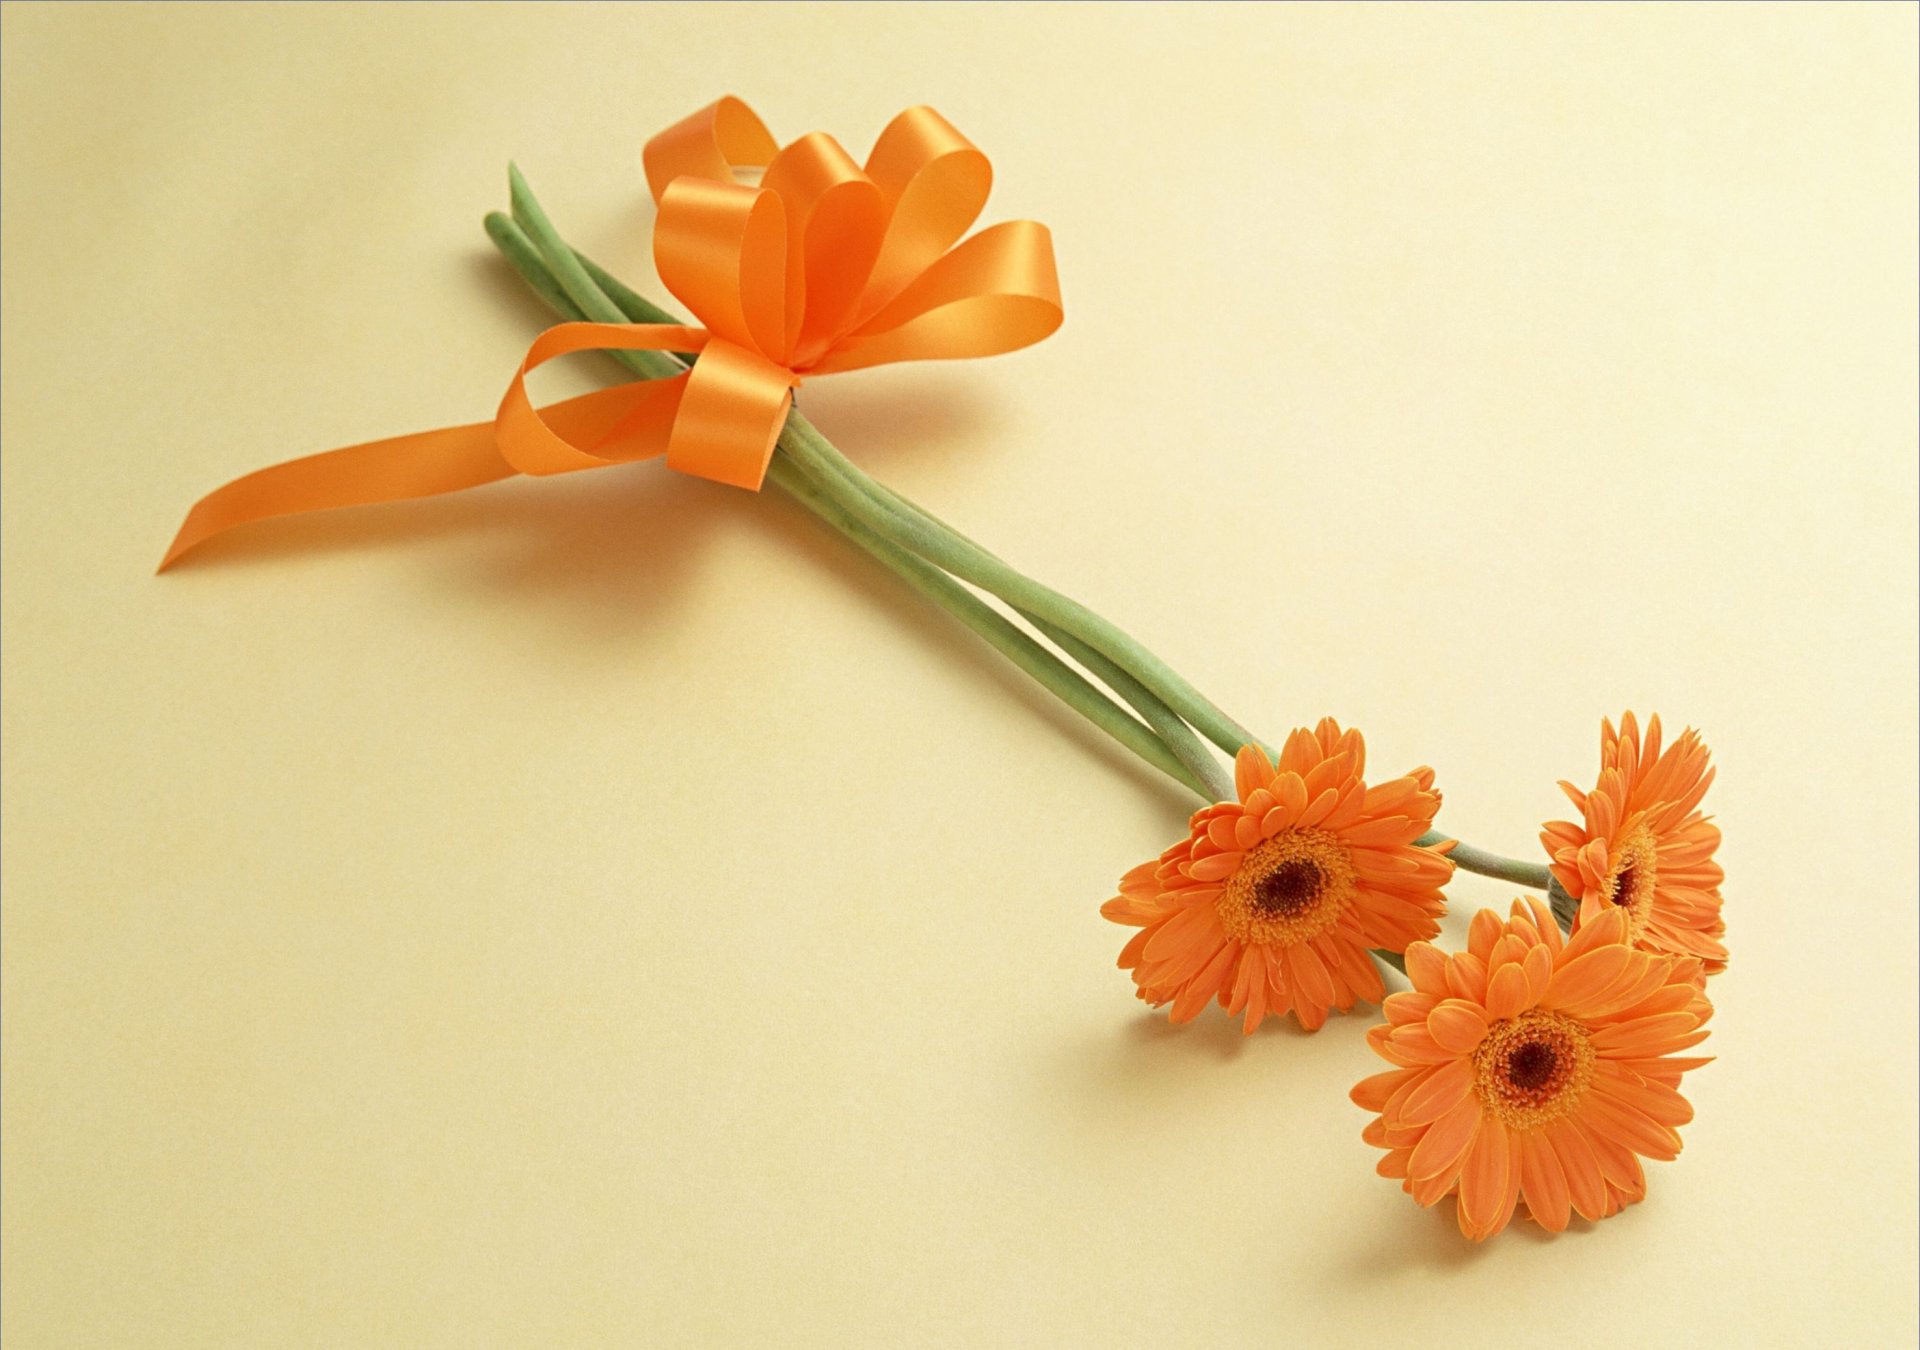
{"x": 1288, "y": 888}
{"x": 1531, "y": 1064}
{"x": 1533, "y": 1068}
{"x": 1636, "y": 877}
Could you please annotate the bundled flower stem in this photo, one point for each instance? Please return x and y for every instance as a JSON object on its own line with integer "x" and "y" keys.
{"x": 936, "y": 559}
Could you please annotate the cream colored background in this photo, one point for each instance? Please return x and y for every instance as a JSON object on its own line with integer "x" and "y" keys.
{"x": 607, "y": 912}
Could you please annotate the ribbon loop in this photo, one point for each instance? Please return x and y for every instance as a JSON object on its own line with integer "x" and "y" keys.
{"x": 731, "y": 414}
{"x": 723, "y": 136}
{"x": 995, "y": 293}
{"x": 838, "y": 217}
{"x": 532, "y": 444}
{"x": 722, "y": 248}
{"x": 936, "y": 183}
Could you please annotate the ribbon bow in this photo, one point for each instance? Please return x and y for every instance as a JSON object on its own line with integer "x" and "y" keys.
{"x": 824, "y": 266}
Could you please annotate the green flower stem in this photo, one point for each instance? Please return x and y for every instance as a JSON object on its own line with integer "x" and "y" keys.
{"x": 526, "y": 259}
{"x": 1565, "y": 907}
{"x": 1006, "y": 637}
{"x": 952, "y": 552}
{"x": 559, "y": 274}
{"x": 565, "y": 269}
{"x": 1176, "y": 734}
{"x": 1471, "y": 859}
{"x": 1162, "y": 718}
{"x": 1059, "y": 679}
{"x": 520, "y": 251}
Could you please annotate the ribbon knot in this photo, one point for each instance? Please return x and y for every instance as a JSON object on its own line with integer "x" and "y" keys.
{"x": 822, "y": 266}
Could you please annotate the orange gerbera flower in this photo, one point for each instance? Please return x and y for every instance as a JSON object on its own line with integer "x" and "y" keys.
{"x": 1644, "y": 846}
{"x": 1532, "y": 1069}
{"x": 1272, "y": 901}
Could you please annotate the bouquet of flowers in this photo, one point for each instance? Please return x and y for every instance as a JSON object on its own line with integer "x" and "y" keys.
{"x": 1539, "y": 1066}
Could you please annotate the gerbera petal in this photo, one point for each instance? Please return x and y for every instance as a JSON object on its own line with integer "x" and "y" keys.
{"x": 1467, "y": 977}
{"x": 1328, "y": 774}
{"x": 1310, "y": 974}
{"x": 1482, "y": 933}
{"x": 1646, "y": 1036}
{"x": 1224, "y": 832}
{"x": 1409, "y": 1005}
{"x": 1507, "y": 992}
{"x": 1351, "y": 965}
{"x": 1290, "y": 796}
{"x": 1644, "y": 977}
{"x": 1666, "y": 1069}
{"x": 1586, "y": 979}
{"x": 1201, "y": 990}
{"x": 1656, "y": 1102}
{"x": 1217, "y": 866}
{"x": 1443, "y": 1090}
{"x": 1256, "y": 997}
{"x": 1500, "y": 1220}
{"x": 1246, "y": 830}
{"x": 1618, "y": 1166}
{"x": 1607, "y": 1118}
{"x": 1251, "y": 770}
{"x": 1542, "y": 1182}
{"x": 1383, "y": 831}
{"x": 1558, "y": 834}
{"x": 1538, "y": 968}
{"x": 1593, "y": 858}
{"x": 1300, "y": 753}
{"x": 1350, "y": 809}
{"x": 1387, "y": 799}
{"x": 1415, "y": 1045}
{"x": 1486, "y": 1182}
{"x": 1430, "y": 1190}
{"x": 1427, "y": 968}
{"x": 1586, "y": 1187}
{"x": 1371, "y": 1094}
{"x": 1457, "y": 1025}
{"x": 1319, "y": 808}
{"x": 1444, "y": 1145}
{"x": 1512, "y": 948}
{"x": 1246, "y": 974}
{"x": 1187, "y": 931}
{"x": 1606, "y": 928}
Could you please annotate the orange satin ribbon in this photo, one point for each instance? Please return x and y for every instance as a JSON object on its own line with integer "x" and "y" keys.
{"x": 823, "y": 267}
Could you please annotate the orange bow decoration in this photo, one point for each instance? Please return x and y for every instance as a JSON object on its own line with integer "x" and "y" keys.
{"x": 823, "y": 267}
